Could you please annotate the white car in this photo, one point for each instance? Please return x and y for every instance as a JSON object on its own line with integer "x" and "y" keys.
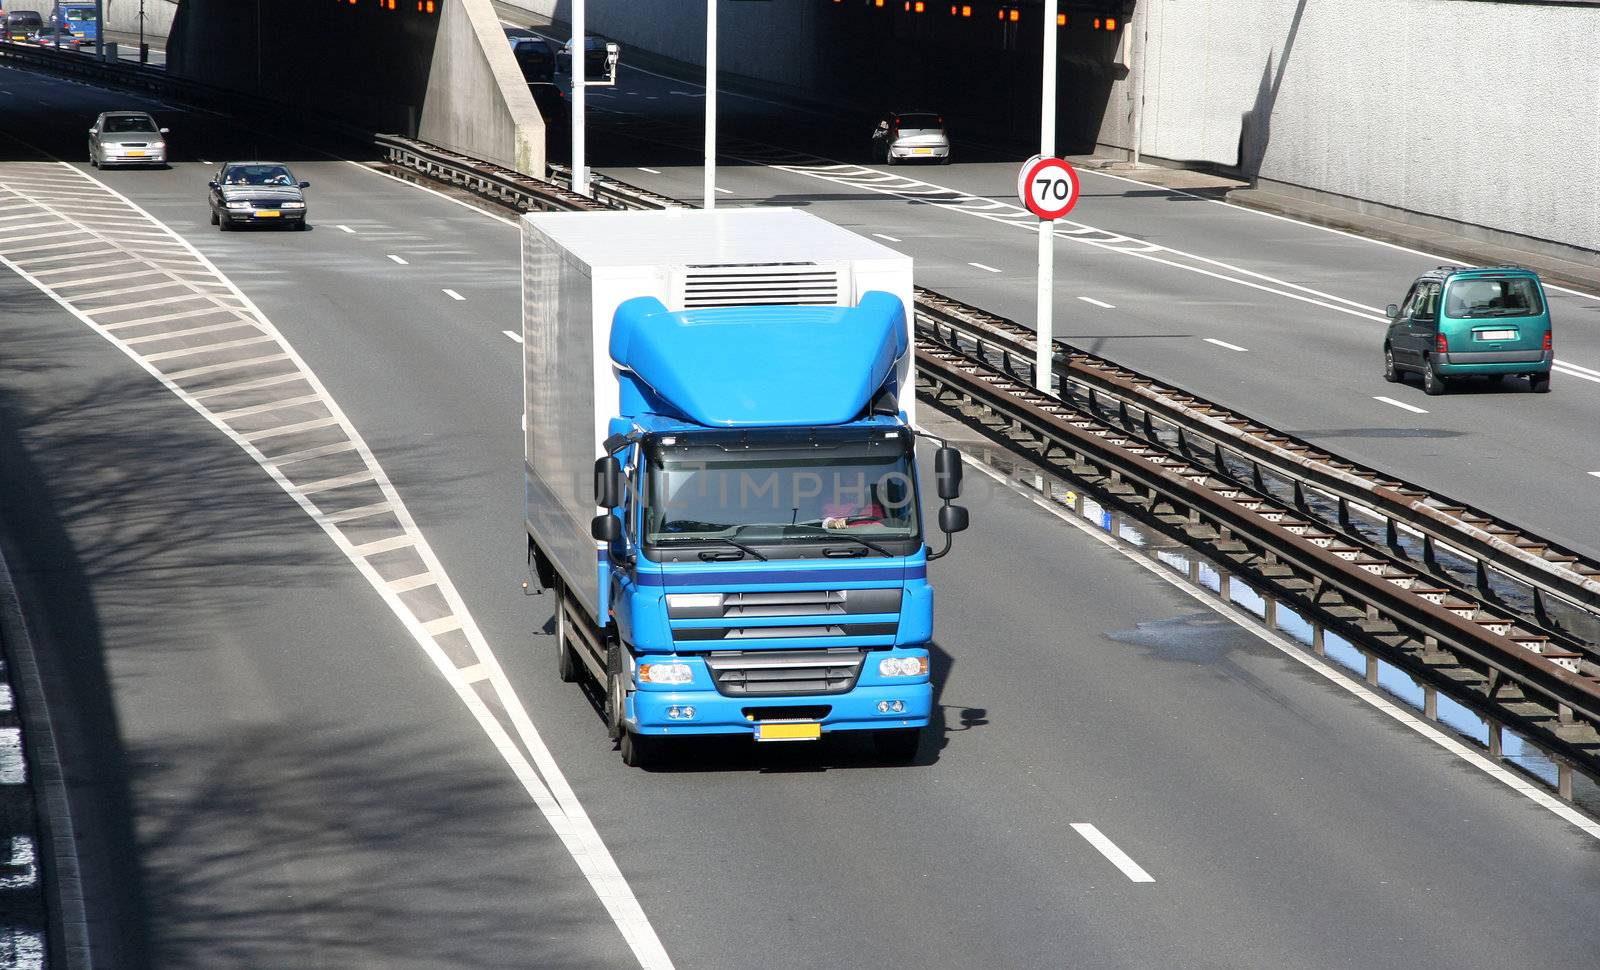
{"x": 127, "y": 138}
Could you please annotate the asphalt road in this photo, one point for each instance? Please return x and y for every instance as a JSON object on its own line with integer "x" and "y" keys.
{"x": 273, "y": 776}
{"x": 1279, "y": 320}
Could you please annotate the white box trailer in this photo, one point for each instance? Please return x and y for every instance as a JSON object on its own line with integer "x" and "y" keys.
{"x": 578, "y": 267}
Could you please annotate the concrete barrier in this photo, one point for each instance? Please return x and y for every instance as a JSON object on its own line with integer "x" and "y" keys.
{"x": 1477, "y": 115}
{"x": 476, "y": 100}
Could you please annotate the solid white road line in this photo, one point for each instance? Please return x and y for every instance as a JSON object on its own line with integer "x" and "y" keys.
{"x": 882, "y": 236}
{"x": 452, "y": 294}
{"x": 1581, "y": 373}
{"x": 1224, "y": 343}
{"x": 1400, "y": 404}
{"x": 435, "y": 192}
{"x": 986, "y": 269}
{"x": 345, "y": 229}
{"x": 1099, "y": 303}
{"x": 398, "y": 259}
{"x": 1109, "y": 849}
{"x": 652, "y": 171}
{"x": 513, "y": 335}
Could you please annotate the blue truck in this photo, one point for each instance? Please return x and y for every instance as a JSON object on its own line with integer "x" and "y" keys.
{"x": 721, "y": 476}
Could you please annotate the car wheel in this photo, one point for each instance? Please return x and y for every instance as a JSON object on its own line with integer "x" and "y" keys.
{"x": 616, "y": 692}
{"x": 93, "y": 162}
{"x": 213, "y": 217}
{"x": 897, "y": 746}
{"x": 888, "y": 155}
{"x": 1391, "y": 373}
{"x": 1540, "y": 382}
{"x": 1432, "y": 384}
{"x": 224, "y": 224}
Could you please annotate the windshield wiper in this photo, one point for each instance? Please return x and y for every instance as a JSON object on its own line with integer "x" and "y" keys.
{"x": 723, "y": 539}
{"x": 824, "y": 533}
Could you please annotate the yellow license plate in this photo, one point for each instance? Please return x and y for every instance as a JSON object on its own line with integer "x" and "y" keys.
{"x": 785, "y": 731}
{"x": 922, "y": 151}
{"x": 267, "y": 213}
{"x": 136, "y": 154}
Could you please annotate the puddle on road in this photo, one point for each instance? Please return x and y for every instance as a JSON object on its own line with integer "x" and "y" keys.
{"x": 1199, "y": 638}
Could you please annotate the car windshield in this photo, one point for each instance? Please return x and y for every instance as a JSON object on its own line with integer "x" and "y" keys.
{"x": 921, "y": 121}
{"x": 783, "y": 488}
{"x": 116, "y": 123}
{"x": 80, "y": 15}
{"x": 1496, "y": 296}
{"x": 257, "y": 175}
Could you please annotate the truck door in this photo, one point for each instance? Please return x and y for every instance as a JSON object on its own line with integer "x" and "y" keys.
{"x": 624, "y": 578}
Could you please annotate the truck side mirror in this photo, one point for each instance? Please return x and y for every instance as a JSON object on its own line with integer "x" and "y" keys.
{"x": 952, "y": 519}
{"x": 608, "y": 482}
{"x": 1391, "y": 311}
{"x": 947, "y": 473}
{"x": 606, "y": 528}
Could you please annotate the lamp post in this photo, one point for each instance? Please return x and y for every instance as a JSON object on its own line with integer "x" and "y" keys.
{"x": 1045, "y": 330}
{"x": 711, "y": 105}
{"x": 575, "y": 68}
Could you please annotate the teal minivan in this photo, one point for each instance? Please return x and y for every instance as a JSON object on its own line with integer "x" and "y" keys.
{"x": 1459, "y": 322}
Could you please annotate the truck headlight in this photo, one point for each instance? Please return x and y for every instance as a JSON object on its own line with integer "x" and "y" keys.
{"x": 903, "y": 667}
{"x": 665, "y": 673}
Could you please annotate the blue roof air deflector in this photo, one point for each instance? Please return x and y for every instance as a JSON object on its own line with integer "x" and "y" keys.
{"x": 763, "y": 366}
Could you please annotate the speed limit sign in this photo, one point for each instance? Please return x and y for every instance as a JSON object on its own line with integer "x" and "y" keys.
{"x": 1047, "y": 186}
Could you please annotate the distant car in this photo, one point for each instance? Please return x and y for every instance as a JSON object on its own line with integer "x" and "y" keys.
{"x": 257, "y": 194}
{"x": 535, "y": 57}
{"x": 903, "y": 135}
{"x": 80, "y": 19}
{"x": 598, "y": 55}
{"x": 22, "y": 24}
{"x": 1457, "y": 322}
{"x": 126, "y": 138}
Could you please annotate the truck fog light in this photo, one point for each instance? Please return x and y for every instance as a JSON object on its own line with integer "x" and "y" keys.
{"x": 677, "y": 713}
{"x": 898, "y": 707}
{"x": 666, "y": 673}
{"x": 903, "y": 667}
{"x": 883, "y": 707}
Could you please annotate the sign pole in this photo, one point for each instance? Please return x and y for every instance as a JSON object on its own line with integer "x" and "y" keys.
{"x": 1045, "y": 329}
{"x": 711, "y": 105}
{"x": 575, "y": 68}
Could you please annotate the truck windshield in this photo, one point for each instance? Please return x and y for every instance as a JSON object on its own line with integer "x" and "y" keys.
{"x": 1505, "y": 296}
{"x": 803, "y": 490}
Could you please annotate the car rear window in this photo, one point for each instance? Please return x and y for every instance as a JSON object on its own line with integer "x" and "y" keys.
{"x": 1492, "y": 296}
{"x": 921, "y": 121}
{"x": 116, "y": 123}
{"x": 23, "y": 18}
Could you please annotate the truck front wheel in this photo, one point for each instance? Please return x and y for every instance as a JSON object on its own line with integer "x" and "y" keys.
{"x": 897, "y": 746}
{"x": 616, "y": 691}
{"x": 641, "y": 750}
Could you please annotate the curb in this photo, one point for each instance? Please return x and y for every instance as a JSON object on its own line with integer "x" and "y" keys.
{"x": 60, "y": 890}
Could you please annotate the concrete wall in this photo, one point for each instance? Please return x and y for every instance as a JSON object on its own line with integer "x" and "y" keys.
{"x": 447, "y": 77}
{"x": 777, "y": 42}
{"x": 476, "y": 100}
{"x": 121, "y": 15}
{"x": 1481, "y": 113}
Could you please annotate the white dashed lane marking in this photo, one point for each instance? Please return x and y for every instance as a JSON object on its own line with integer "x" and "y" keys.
{"x": 887, "y": 238}
{"x": 1109, "y": 849}
{"x": 986, "y": 269}
{"x": 513, "y": 335}
{"x": 1099, "y": 303}
{"x": 1400, "y": 404}
{"x": 397, "y": 259}
{"x": 1227, "y": 346}
{"x": 452, "y": 294}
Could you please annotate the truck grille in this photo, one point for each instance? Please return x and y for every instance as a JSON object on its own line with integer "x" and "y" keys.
{"x": 761, "y": 673}
{"x": 759, "y": 284}
{"x": 788, "y": 602}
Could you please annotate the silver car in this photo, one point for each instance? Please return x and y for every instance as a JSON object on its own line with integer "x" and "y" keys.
{"x": 911, "y": 135}
{"x": 127, "y": 138}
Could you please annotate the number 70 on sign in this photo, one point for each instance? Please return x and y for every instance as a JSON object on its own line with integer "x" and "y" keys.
{"x": 1047, "y": 186}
